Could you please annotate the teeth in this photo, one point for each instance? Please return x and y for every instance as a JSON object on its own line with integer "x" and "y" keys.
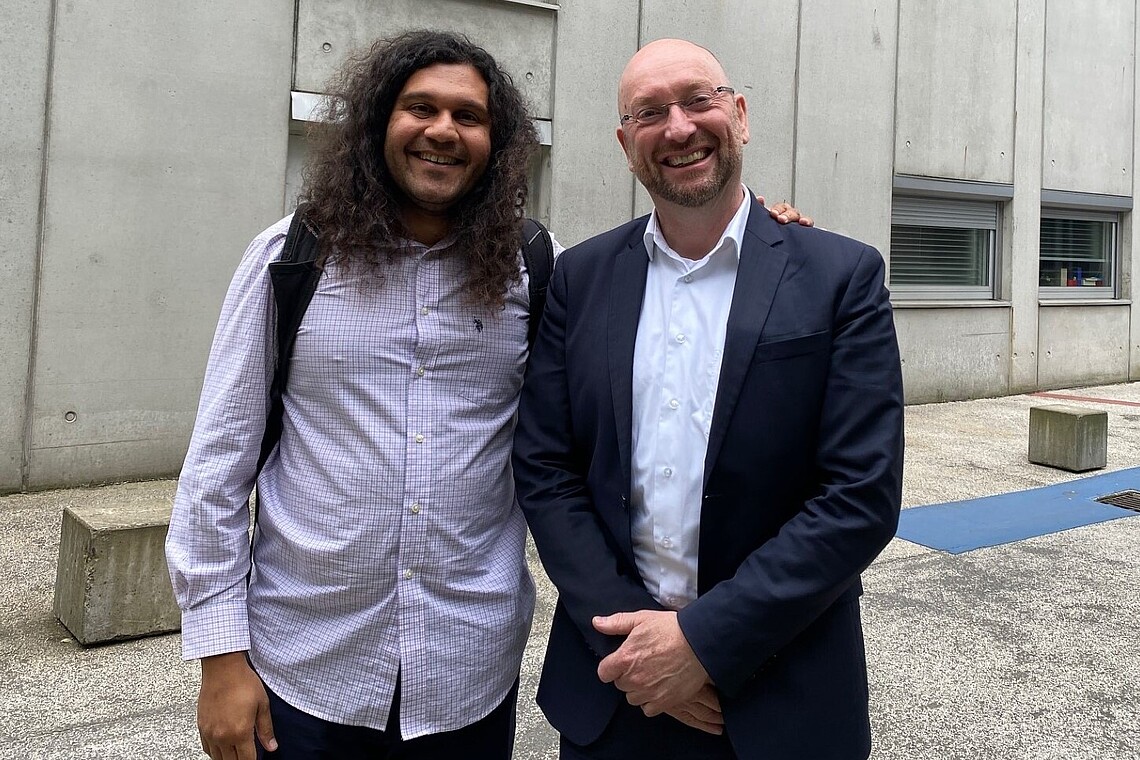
{"x": 437, "y": 159}
{"x": 696, "y": 155}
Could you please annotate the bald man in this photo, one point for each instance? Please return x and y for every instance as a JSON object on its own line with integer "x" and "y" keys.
{"x": 708, "y": 453}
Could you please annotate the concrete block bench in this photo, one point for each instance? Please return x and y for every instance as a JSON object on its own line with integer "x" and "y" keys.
{"x": 1068, "y": 437}
{"x": 111, "y": 580}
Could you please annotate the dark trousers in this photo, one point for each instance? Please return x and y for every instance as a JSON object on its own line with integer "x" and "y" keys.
{"x": 301, "y": 736}
{"x": 631, "y": 735}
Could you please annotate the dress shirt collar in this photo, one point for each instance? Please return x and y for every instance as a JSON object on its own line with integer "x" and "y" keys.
{"x": 733, "y": 235}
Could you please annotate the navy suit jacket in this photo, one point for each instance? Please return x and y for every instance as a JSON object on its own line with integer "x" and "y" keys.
{"x": 802, "y": 486}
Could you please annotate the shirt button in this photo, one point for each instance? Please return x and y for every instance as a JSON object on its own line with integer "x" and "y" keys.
{"x": 674, "y": 403}
{"x": 415, "y": 507}
{"x": 667, "y": 543}
{"x": 688, "y": 278}
{"x": 419, "y": 437}
{"x": 667, "y": 472}
{"x": 421, "y": 371}
{"x": 408, "y": 574}
{"x": 680, "y": 337}
{"x": 425, "y": 311}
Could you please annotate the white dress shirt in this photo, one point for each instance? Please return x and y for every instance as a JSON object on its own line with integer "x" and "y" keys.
{"x": 676, "y": 368}
{"x": 388, "y": 536}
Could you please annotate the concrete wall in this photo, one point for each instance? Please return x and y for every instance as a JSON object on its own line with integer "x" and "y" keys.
{"x": 165, "y": 154}
{"x": 956, "y": 89}
{"x": 143, "y": 148}
{"x": 1083, "y": 345}
{"x": 593, "y": 189}
{"x": 845, "y": 116}
{"x": 1089, "y": 91}
{"x": 952, "y": 354}
{"x": 25, "y": 56}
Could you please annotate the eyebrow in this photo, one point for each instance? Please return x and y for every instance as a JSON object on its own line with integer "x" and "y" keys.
{"x": 471, "y": 105}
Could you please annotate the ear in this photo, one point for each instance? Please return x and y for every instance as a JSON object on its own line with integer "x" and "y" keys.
{"x": 621, "y": 141}
{"x": 742, "y": 115}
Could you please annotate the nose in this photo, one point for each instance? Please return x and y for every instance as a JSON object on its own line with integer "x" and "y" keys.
{"x": 442, "y": 128}
{"x": 679, "y": 125}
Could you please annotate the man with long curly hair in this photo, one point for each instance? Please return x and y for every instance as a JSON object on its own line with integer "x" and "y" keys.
{"x": 389, "y": 601}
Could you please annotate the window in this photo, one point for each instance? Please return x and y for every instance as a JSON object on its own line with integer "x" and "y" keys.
{"x": 1078, "y": 253}
{"x": 943, "y": 247}
{"x": 1080, "y": 244}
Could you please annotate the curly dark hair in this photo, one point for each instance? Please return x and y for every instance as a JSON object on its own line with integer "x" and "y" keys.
{"x": 354, "y": 201}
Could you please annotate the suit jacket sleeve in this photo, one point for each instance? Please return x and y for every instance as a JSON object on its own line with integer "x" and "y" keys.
{"x": 818, "y": 554}
{"x": 551, "y": 468}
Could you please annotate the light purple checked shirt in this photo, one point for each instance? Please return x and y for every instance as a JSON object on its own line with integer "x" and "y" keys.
{"x": 388, "y": 536}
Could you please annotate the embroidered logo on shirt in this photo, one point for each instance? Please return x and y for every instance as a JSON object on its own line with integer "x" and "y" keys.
{"x": 478, "y": 324}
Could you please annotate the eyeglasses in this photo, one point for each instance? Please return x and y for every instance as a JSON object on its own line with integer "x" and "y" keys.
{"x": 698, "y": 102}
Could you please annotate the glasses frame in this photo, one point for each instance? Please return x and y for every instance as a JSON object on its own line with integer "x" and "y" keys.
{"x": 685, "y": 104}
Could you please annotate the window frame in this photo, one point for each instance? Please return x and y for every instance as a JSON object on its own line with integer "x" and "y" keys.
{"x": 951, "y": 204}
{"x": 1063, "y": 204}
{"x": 1112, "y": 254}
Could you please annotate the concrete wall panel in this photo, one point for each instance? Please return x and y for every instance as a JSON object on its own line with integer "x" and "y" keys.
{"x": 756, "y": 42}
{"x": 1082, "y": 345}
{"x": 956, "y": 89}
{"x": 165, "y": 159}
{"x": 1020, "y": 272}
{"x": 521, "y": 37}
{"x": 1089, "y": 91}
{"x": 24, "y": 53}
{"x": 592, "y": 187}
{"x": 845, "y": 116}
{"x": 953, "y": 354}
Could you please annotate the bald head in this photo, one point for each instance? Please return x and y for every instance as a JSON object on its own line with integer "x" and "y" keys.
{"x": 660, "y": 59}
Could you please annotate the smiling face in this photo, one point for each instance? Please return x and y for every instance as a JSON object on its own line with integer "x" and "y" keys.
{"x": 689, "y": 159}
{"x": 438, "y": 142}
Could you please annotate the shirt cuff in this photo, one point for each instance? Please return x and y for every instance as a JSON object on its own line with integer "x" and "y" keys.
{"x": 215, "y": 629}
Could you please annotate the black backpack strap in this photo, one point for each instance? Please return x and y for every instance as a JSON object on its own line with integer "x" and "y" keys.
{"x": 294, "y": 278}
{"x": 538, "y": 256}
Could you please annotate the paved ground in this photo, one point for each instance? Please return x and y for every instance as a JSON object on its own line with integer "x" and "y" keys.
{"x": 1028, "y": 650}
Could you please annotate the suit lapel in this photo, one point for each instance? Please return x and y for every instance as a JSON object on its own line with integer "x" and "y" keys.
{"x": 626, "y": 294}
{"x": 757, "y": 277}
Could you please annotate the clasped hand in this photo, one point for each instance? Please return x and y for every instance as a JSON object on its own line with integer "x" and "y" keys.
{"x": 657, "y": 669}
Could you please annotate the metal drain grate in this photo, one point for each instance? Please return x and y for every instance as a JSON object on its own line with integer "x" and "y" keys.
{"x": 1124, "y": 499}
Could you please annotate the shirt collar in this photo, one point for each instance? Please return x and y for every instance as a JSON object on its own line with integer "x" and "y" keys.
{"x": 732, "y": 236}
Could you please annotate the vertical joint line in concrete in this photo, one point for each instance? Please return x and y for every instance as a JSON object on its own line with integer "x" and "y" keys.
{"x": 632, "y": 176}
{"x": 296, "y": 34}
{"x": 796, "y": 100}
{"x": 37, "y": 264}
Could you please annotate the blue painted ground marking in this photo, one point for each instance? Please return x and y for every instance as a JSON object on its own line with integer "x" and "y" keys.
{"x": 962, "y": 526}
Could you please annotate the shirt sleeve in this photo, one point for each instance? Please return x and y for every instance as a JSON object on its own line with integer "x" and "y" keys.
{"x": 207, "y": 547}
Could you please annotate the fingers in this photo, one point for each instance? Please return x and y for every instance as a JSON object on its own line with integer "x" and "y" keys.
{"x": 264, "y": 726}
{"x": 785, "y": 213}
{"x": 693, "y": 721}
{"x": 707, "y": 697}
{"x": 760, "y": 199}
{"x": 612, "y": 667}
{"x": 617, "y": 624}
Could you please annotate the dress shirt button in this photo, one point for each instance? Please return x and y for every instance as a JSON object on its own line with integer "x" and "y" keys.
{"x": 688, "y": 278}
{"x": 668, "y": 544}
{"x": 674, "y": 403}
{"x": 415, "y": 507}
{"x": 667, "y": 472}
{"x": 421, "y": 371}
{"x": 408, "y": 574}
{"x": 425, "y": 311}
{"x": 419, "y": 437}
{"x": 671, "y": 601}
{"x": 680, "y": 337}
